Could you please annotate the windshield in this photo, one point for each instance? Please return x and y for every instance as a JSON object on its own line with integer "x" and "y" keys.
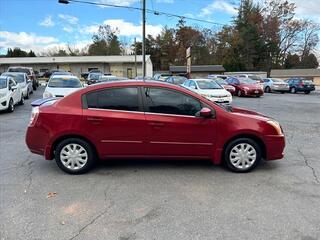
{"x": 247, "y": 81}
{"x": 208, "y": 85}
{"x": 179, "y": 80}
{"x": 306, "y": 81}
{"x": 19, "y": 78}
{"x": 255, "y": 77}
{"x": 65, "y": 83}
{"x": 221, "y": 81}
{"x": 24, "y": 70}
{"x": 3, "y": 83}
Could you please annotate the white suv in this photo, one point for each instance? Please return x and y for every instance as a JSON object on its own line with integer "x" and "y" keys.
{"x": 23, "y": 80}
{"x": 10, "y": 94}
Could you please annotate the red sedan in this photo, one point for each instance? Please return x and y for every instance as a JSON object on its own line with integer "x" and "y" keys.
{"x": 246, "y": 86}
{"x": 225, "y": 85}
{"x": 136, "y": 119}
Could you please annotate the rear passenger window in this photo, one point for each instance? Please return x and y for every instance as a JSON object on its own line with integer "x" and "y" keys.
{"x": 114, "y": 98}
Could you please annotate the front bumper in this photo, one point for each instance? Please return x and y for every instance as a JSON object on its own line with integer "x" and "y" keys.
{"x": 280, "y": 88}
{"x": 220, "y": 100}
{"x": 253, "y": 92}
{"x": 3, "y": 103}
{"x": 275, "y": 145}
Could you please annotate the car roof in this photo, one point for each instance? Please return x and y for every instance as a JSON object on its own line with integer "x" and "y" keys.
{"x": 64, "y": 76}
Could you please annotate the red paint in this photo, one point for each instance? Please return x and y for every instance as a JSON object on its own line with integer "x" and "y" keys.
{"x": 126, "y": 134}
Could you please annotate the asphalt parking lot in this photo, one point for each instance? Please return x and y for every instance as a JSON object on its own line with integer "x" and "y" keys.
{"x": 129, "y": 200}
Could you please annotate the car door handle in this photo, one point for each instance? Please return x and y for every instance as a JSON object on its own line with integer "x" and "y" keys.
{"x": 94, "y": 119}
{"x": 156, "y": 124}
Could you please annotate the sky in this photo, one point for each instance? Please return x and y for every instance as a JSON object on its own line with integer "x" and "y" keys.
{"x": 45, "y": 24}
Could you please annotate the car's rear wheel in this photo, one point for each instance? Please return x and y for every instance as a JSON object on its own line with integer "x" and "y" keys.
{"x": 267, "y": 89}
{"x": 22, "y": 100}
{"x": 293, "y": 90}
{"x": 75, "y": 156}
{"x": 242, "y": 155}
{"x": 28, "y": 94}
{"x": 11, "y": 106}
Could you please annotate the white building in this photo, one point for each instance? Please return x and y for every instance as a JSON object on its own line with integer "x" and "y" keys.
{"x": 121, "y": 66}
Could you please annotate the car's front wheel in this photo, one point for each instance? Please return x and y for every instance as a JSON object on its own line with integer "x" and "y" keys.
{"x": 10, "y": 106}
{"x": 293, "y": 90}
{"x": 22, "y": 100}
{"x": 242, "y": 155}
{"x": 267, "y": 89}
{"x": 75, "y": 156}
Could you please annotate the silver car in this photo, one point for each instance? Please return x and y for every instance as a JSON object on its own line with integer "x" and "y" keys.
{"x": 275, "y": 85}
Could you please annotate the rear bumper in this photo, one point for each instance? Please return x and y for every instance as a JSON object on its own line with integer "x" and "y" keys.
{"x": 37, "y": 141}
{"x": 275, "y": 145}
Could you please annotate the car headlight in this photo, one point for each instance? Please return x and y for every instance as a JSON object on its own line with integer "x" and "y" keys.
{"x": 276, "y": 126}
{"x": 2, "y": 95}
{"x": 47, "y": 94}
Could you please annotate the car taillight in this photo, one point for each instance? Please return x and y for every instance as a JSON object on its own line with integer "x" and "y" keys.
{"x": 34, "y": 115}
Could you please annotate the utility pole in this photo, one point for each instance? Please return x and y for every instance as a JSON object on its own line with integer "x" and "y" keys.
{"x": 143, "y": 39}
{"x": 135, "y": 57}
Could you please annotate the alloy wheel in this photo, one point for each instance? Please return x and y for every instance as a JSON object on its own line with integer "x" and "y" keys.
{"x": 73, "y": 156}
{"x": 243, "y": 156}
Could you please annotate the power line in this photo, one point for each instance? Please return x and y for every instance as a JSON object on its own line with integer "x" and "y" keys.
{"x": 150, "y": 11}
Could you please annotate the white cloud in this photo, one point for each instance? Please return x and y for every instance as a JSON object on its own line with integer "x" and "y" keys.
{"x": 70, "y": 19}
{"x": 127, "y": 29}
{"x": 47, "y": 22}
{"x": 26, "y": 41}
{"x": 219, "y": 5}
{"x": 68, "y": 29}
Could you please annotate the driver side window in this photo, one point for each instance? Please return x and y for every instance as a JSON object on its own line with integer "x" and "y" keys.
{"x": 165, "y": 101}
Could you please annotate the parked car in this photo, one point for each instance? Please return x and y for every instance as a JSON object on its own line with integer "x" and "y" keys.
{"x": 84, "y": 75}
{"x": 29, "y": 71}
{"x": 275, "y": 85}
{"x": 137, "y": 119}
{"x": 215, "y": 76}
{"x": 61, "y": 73}
{"x": 23, "y": 81}
{"x": 210, "y": 89}
{"x": 10, "y": 94}
{"x": 225, "y": 85}
{"x": 177, "y": 80}
{"x": 145, "y": 78}
{"x": 93, "y": 77}
{"x": 60, "y": 86}
{"x": 301, "y": 85}
{"x": 245, "y": 86}
{"x": 254, "y": 77}
{"x": 161, "y": 76}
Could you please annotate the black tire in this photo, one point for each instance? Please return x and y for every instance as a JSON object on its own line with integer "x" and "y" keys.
{"x": 267, "y": 89}
{"x": 293, "y": 90}
{"x": 22, "y": 100}
{"x": 307, "y": 92}
{"x": 239, "y": 93}
{"x": 282, "y": 92}
{"x": 91, "y": 159}
{"x": 28, "y": 94}
{"x": 234, "y": 143}
{"x": 10, "y": 106}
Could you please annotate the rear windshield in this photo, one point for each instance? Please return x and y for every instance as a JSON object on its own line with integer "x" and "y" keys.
{"x": 247, "y": 81}
{"x": 64, "y": 83}
{"x": 221, "y": 81}
{"x": 277, "y": 80}
{"x": 24, "y": 70}
{"x": 3, "y": 83}
{"x": 19, "y": 78}
{"x": 306, "y": 81}
{"x": 208, "y": 85}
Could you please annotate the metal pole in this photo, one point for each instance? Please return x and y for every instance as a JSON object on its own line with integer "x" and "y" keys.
{"x": 135, "y": 57}
{"x": 144, "y": 39}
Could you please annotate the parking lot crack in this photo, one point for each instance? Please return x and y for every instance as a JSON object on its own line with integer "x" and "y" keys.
{"x": 95, "y": 218}
{"x": 306, "y": 161}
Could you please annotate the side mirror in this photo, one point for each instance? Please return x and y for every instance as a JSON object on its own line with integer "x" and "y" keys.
{"x": 13, "y": 88}
{"x": 206, "y": 112}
